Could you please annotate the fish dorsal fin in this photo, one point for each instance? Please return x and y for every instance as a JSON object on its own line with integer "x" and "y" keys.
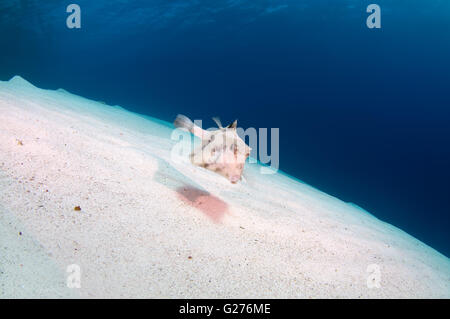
{"x": 217, "y": 120}
{"x": 233, "y": 125}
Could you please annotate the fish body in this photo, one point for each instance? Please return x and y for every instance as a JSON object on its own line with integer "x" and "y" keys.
{"x": 221, "y": 151}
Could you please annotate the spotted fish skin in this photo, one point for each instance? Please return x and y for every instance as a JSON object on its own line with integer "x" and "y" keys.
{"x": 221, "y": 151}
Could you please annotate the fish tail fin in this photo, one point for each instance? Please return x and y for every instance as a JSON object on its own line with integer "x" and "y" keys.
{"x": 182, "y": 121}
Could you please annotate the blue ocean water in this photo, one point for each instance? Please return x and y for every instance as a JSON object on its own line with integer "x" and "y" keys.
{"x": 364, "y": 114}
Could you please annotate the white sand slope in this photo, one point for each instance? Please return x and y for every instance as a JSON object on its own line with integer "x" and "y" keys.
{"x": 149, "y": 227}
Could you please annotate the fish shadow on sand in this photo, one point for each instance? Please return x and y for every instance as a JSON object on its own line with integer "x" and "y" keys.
{"x": 190, "y": 192}
{"x": 210, "y": 205}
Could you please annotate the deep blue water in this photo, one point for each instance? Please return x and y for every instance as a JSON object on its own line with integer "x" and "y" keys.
{"x": 364, "y": 114}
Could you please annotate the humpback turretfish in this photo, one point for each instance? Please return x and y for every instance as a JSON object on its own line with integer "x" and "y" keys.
{"x": 221, "y": 151}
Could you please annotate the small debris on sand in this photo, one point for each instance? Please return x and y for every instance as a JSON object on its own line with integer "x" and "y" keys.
{"x": 77, "y": 208}
{"x": 19, "y": 142}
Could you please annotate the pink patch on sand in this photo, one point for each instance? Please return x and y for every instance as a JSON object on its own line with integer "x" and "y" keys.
{"x": 210, "y": 205}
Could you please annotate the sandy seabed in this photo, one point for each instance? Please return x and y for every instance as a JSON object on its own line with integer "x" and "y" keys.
{"x": 154, "y": 228}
